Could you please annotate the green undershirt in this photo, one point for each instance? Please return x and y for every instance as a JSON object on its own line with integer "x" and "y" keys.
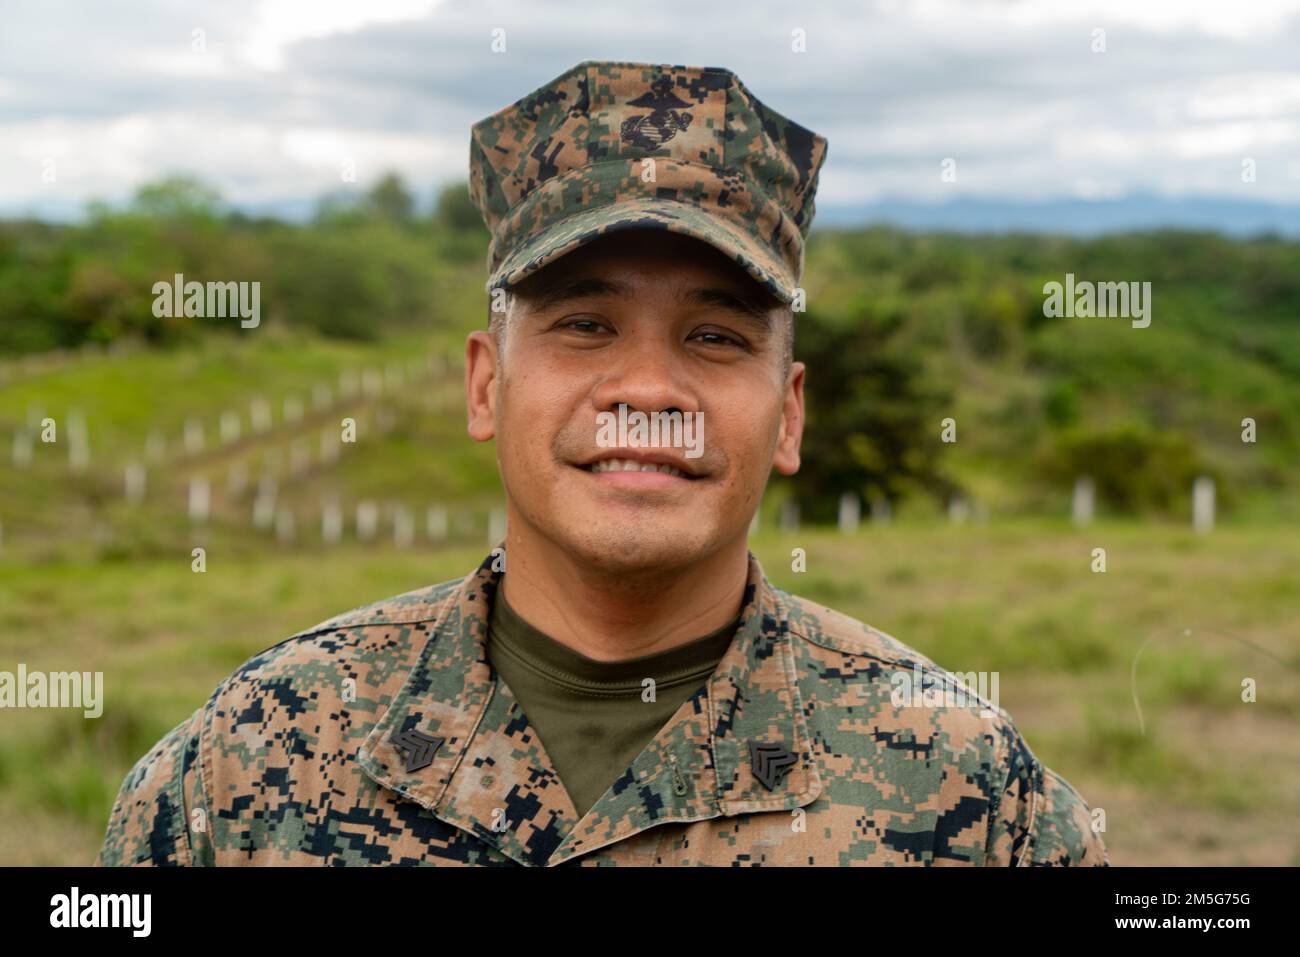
{"x": 590, "y": 714}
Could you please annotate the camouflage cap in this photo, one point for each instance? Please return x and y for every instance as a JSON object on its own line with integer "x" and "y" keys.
{"x": 570, "y": 162}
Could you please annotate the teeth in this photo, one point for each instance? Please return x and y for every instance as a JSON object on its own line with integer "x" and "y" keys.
{"x": 628, "y": 465}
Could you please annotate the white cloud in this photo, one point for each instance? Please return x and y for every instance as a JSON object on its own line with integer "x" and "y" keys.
{"x": 280, "y": 23}
{"x": 285, "y": 90}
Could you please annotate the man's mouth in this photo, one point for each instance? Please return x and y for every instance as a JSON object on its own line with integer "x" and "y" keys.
{"x": 627, "y": 465}
{"x": 641, "y": 462}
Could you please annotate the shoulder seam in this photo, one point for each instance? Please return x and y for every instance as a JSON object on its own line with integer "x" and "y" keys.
{"x": 927, "y": 664}
{"x": 782, "y": 595}
{"x": 326, "y": 627}
{"x": 866, "y": 653}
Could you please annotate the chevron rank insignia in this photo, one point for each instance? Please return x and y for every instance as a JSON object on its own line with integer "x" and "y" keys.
{"x": 419, "y": 748}
{"x": 769, "y": 762}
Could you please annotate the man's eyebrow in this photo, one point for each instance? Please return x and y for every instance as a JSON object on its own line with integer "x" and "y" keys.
{"x": 591, "y": 286}
{"x": 732, "y": 302}
{"x": 578, "y": 289}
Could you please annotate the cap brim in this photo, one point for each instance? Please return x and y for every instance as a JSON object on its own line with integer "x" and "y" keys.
{"x": 588, "y": 225}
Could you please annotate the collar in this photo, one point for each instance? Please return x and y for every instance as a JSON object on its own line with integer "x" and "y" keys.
{"x": 490, "y": 775}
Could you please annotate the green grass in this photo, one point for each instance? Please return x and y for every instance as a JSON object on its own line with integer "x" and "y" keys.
{"x": 1018, "y": 599}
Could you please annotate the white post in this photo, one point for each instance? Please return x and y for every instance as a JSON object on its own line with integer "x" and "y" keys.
{"x": 331, "y": 522}
{"x": 264, "y": 502}
{"x": 199, "y": 499}
{"x": 850, "y": 512}
{"x": 259, "y": 412}
{"x": 135, "y": 478}
{"x": 790, "y": 515}
{"x": 403, "y": 526}
{"x": 263, "y": 511}
{"x": 1084, "y": 499}
{"x": 958, "y": 510}
{"x": 22, "y": 453}
{"x": 1203, "y": 503}
{"x": 435, "y": 522}
{"x": 367, "y": 520}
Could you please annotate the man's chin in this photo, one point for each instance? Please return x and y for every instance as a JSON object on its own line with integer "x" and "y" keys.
{"x": 647, "y": 546}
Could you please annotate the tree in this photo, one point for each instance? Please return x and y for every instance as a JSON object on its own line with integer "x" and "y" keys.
{"x": 176, "y": 197}
{"x": 872, "y": 429}
{"x": 455, "y": 211}
{"x": 390, "y": 199}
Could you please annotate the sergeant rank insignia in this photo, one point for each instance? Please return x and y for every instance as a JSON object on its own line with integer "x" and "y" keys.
{"x": 419, "y": 748}
{"x": 770, "y": 762}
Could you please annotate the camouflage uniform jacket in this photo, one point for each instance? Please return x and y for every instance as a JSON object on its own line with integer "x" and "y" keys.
{"x": 382, "y": 736}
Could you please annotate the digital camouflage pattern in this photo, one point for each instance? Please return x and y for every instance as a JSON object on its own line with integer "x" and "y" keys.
{"x": 292, "y": 759}
{"x": 568, "y": 163}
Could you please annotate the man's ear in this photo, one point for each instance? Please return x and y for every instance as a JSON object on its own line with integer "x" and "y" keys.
{"x": 786, "y": 460}
{"x": 480, "y": 385}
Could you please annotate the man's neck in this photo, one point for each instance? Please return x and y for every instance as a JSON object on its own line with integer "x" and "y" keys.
{"x": 613, "y": 617}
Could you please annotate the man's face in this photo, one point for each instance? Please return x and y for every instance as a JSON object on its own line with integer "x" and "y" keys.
{"x": 662, "y": 323}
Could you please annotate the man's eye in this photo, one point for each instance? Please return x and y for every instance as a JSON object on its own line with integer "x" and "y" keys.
{"x": 582, "y": 324}
{"x": 712, "y": 337}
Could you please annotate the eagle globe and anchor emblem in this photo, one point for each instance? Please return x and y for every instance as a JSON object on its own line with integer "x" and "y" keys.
{"x": 666, "y": 119}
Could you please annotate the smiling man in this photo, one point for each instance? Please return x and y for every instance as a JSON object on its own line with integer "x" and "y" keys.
{"x": 618, "y": 683}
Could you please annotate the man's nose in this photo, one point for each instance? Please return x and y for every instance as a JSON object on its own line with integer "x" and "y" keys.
{"x": 648, "y": 377}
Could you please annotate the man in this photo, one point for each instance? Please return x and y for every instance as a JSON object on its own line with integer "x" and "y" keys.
{"x": 618, "y": 683}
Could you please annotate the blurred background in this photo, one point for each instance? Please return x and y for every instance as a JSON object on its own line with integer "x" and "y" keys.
{"x": 978, "y": 151}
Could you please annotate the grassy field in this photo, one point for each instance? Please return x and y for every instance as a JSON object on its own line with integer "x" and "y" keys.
{"x": 1205, "y": 778}
{"x": 404, "y": 395}
{"x": 1128, "y": 682}
{"x": 93, "y": 582}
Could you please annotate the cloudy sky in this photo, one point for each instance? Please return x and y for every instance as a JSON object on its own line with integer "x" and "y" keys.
{"x": 268, "y": 99}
